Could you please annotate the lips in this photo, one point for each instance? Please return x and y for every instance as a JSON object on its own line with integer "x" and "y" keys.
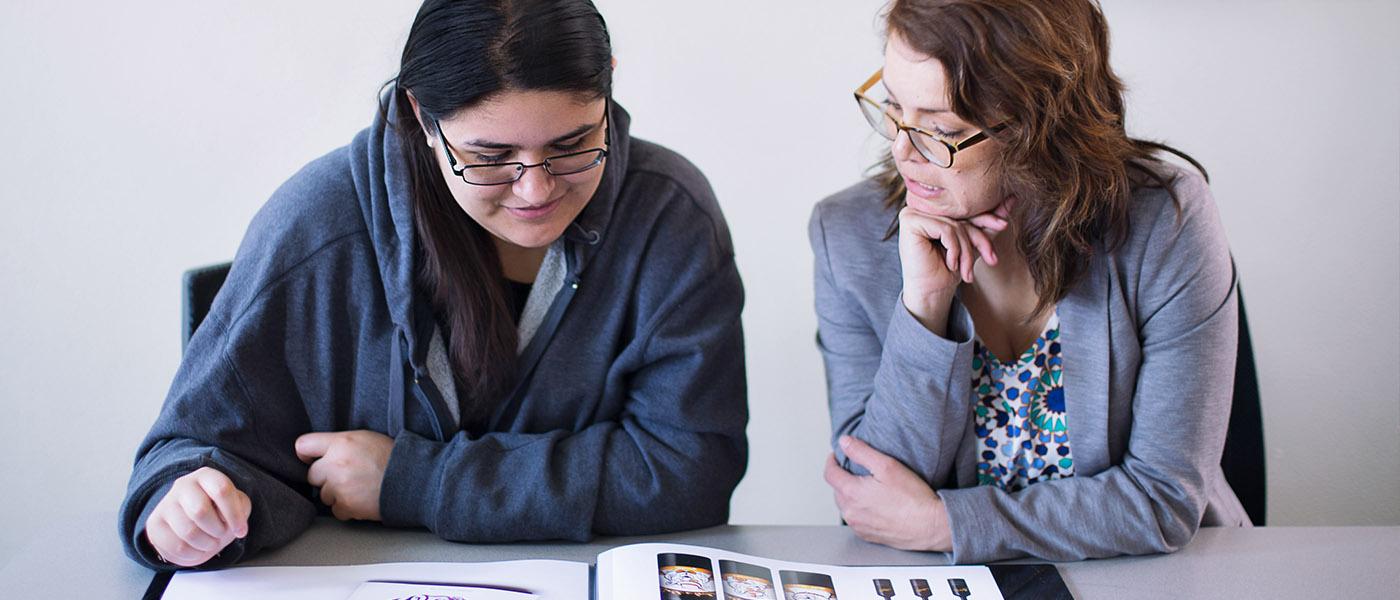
{"x": 534, "y": 213}
{"x": 923, "y": 190}
{"x": 929, "y": 199}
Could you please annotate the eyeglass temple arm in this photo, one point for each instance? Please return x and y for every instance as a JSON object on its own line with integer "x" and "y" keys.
{"x": 451, "y": 160}
{"x": 869, "y": 83}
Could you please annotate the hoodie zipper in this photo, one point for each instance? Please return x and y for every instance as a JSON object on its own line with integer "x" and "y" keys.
{"x": 530, "y": 359}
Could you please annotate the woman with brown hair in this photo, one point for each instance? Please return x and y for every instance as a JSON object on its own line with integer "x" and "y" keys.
{"x": 1028, "y": 318}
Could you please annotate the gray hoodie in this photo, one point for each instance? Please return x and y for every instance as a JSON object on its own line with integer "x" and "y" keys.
{"x": 630, "y": 410}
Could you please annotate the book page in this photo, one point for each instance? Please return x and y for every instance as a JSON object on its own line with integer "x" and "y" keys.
{"x": 678, "y": 572}
{"x": 384, "y": 590}
{"x": 511, "y": 580}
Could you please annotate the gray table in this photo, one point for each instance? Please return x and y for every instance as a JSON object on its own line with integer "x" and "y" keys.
{"x": 80, "y": 556}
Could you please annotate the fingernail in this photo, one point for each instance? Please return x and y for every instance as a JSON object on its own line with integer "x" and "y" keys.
{"x": 845, "y": 442}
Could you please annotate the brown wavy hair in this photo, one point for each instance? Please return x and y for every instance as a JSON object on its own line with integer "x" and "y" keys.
{"x": 1038, "y": 71}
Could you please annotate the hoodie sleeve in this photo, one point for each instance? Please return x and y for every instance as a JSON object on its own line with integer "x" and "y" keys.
{"x": 281, "y": 344}
{"x": 211, "y": 418}
{"x": 668, "y": 461}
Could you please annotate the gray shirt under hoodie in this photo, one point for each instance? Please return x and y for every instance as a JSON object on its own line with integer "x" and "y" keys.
{"x": 1149, "y": 340}
{"x": 629, "y": 413}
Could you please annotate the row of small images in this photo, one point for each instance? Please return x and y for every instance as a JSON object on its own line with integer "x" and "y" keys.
{"x": 691, "y": 577}
{"x": 885, "y": 588}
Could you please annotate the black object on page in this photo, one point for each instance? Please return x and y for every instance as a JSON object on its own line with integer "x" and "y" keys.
{"x": 959, "y": 588}
{"x": 921, "y": 588}
{"x": 884, "y": 588}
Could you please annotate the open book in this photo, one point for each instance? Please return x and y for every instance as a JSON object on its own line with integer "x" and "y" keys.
{"x": 634, "y": 572}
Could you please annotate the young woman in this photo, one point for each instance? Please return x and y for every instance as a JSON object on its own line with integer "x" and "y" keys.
{"x": 1028, "y": 318}
{"x": 494, "y": 314}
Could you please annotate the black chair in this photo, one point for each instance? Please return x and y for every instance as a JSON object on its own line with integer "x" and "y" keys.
{"x": 1243, "y": 460}
{"x": 200, "y": 287}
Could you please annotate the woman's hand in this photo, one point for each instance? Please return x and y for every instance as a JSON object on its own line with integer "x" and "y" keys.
{"x": 201, "y": 515}
{"x": 937, "y": 254}
{"x": 348, "y": 466}
{"x": 892, "y": 505}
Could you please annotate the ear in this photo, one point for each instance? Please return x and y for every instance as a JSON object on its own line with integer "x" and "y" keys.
{"x": 614, "y": 62}
{"x": 418, "y": 116}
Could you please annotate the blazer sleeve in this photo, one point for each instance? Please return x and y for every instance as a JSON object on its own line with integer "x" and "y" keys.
{"x": 212, "y": 418}
{"x": 906, "y": 397}
{"x": 669, "y": 462}
{"x": 1154, "y": 500}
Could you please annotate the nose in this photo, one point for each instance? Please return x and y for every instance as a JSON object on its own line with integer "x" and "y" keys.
{"x": 536, "y": 186}
{"x": 903, "y": 148}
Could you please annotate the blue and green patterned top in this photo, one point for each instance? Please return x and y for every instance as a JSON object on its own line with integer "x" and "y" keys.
{"x": 1019, "y": 414}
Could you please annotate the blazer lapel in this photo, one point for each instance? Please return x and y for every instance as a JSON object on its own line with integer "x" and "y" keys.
{"x": 1085, "y": 341}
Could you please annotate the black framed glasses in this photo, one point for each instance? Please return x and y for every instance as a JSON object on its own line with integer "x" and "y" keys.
{"x": 511, "y": 172}
{"x": 930, "y": 145}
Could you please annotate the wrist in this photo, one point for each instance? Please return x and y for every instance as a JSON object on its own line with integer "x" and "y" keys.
{"x": 930, "y": 309}
{"x": 940, "y": 538}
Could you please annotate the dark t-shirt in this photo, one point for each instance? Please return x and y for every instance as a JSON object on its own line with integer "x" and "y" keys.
{"x": 519, "y": 293}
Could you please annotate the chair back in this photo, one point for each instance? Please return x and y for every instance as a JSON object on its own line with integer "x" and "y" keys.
{"x": 1243, "y": 460}
{"x": 200, "y": 287}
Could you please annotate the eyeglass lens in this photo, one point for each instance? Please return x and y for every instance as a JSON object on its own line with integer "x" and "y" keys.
{"x": 931, "y": 149}
{"x": 509, "y": 172}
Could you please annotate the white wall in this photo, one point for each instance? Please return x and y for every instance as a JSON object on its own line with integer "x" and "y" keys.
{"x": 140, "y": 137}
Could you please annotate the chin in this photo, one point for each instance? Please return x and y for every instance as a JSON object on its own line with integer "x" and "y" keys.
{"x": 536, "y": 236}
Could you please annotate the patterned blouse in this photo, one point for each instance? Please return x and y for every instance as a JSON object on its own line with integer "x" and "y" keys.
{"x": 1019, "y": 414}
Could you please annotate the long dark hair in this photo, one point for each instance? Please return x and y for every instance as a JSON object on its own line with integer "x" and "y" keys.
{"x": 1039, "y": 71}
{"x": 458, "y": 53}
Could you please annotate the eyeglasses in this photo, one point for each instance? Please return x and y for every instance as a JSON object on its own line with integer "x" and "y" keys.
{"x": 930, "y": 145}
{"x": 511, "y": 172}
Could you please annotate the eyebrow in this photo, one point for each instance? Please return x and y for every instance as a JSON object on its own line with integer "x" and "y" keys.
{"x": 577, "y": 131}
{"x": 928, "y": 111}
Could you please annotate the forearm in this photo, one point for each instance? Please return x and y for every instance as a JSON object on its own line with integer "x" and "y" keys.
{"x": 1126, "y": 510}
{"x": 279, "y": 513}
{"x": 915, "y": 406}
{"x": 614, "y": 478}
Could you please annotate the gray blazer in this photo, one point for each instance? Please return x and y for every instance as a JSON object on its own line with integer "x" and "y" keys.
{"x": 1148, "y": 342}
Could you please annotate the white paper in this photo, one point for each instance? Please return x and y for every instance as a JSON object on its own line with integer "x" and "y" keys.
{"x": 543, "y": 579}
{"x": 632, "y": 573}
{"x": 383, "y": 590}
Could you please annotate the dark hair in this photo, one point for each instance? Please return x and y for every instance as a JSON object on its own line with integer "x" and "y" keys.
{"x": 458, "y": 53}
{"x": 1038, "y": 71}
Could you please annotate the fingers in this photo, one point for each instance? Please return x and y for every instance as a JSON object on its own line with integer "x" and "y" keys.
{"x": 842, "y": 483}
{"x": 836, "y": 476}
{"x": 983, "y": 243}
{"x": 340, "y": 512}
{"x": 327, "y": 496}
{"x": 312, "y": 446}
{"x": 201, "y": 519}
{"x": 319, "y": 476}
{"x": 876, "y": 462}
{"x": 319, "y": 473}
{"x": 959, "y": 253}
{"x": 967, "y": 258}
{"x": 201, "y": 514}
{"x": 939, "y": 233}
{"x": 170, "y": 547}
{"x": 188, "y": 532}
{"x": 232, "y": 505}
{"x": 989, "y": 221}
